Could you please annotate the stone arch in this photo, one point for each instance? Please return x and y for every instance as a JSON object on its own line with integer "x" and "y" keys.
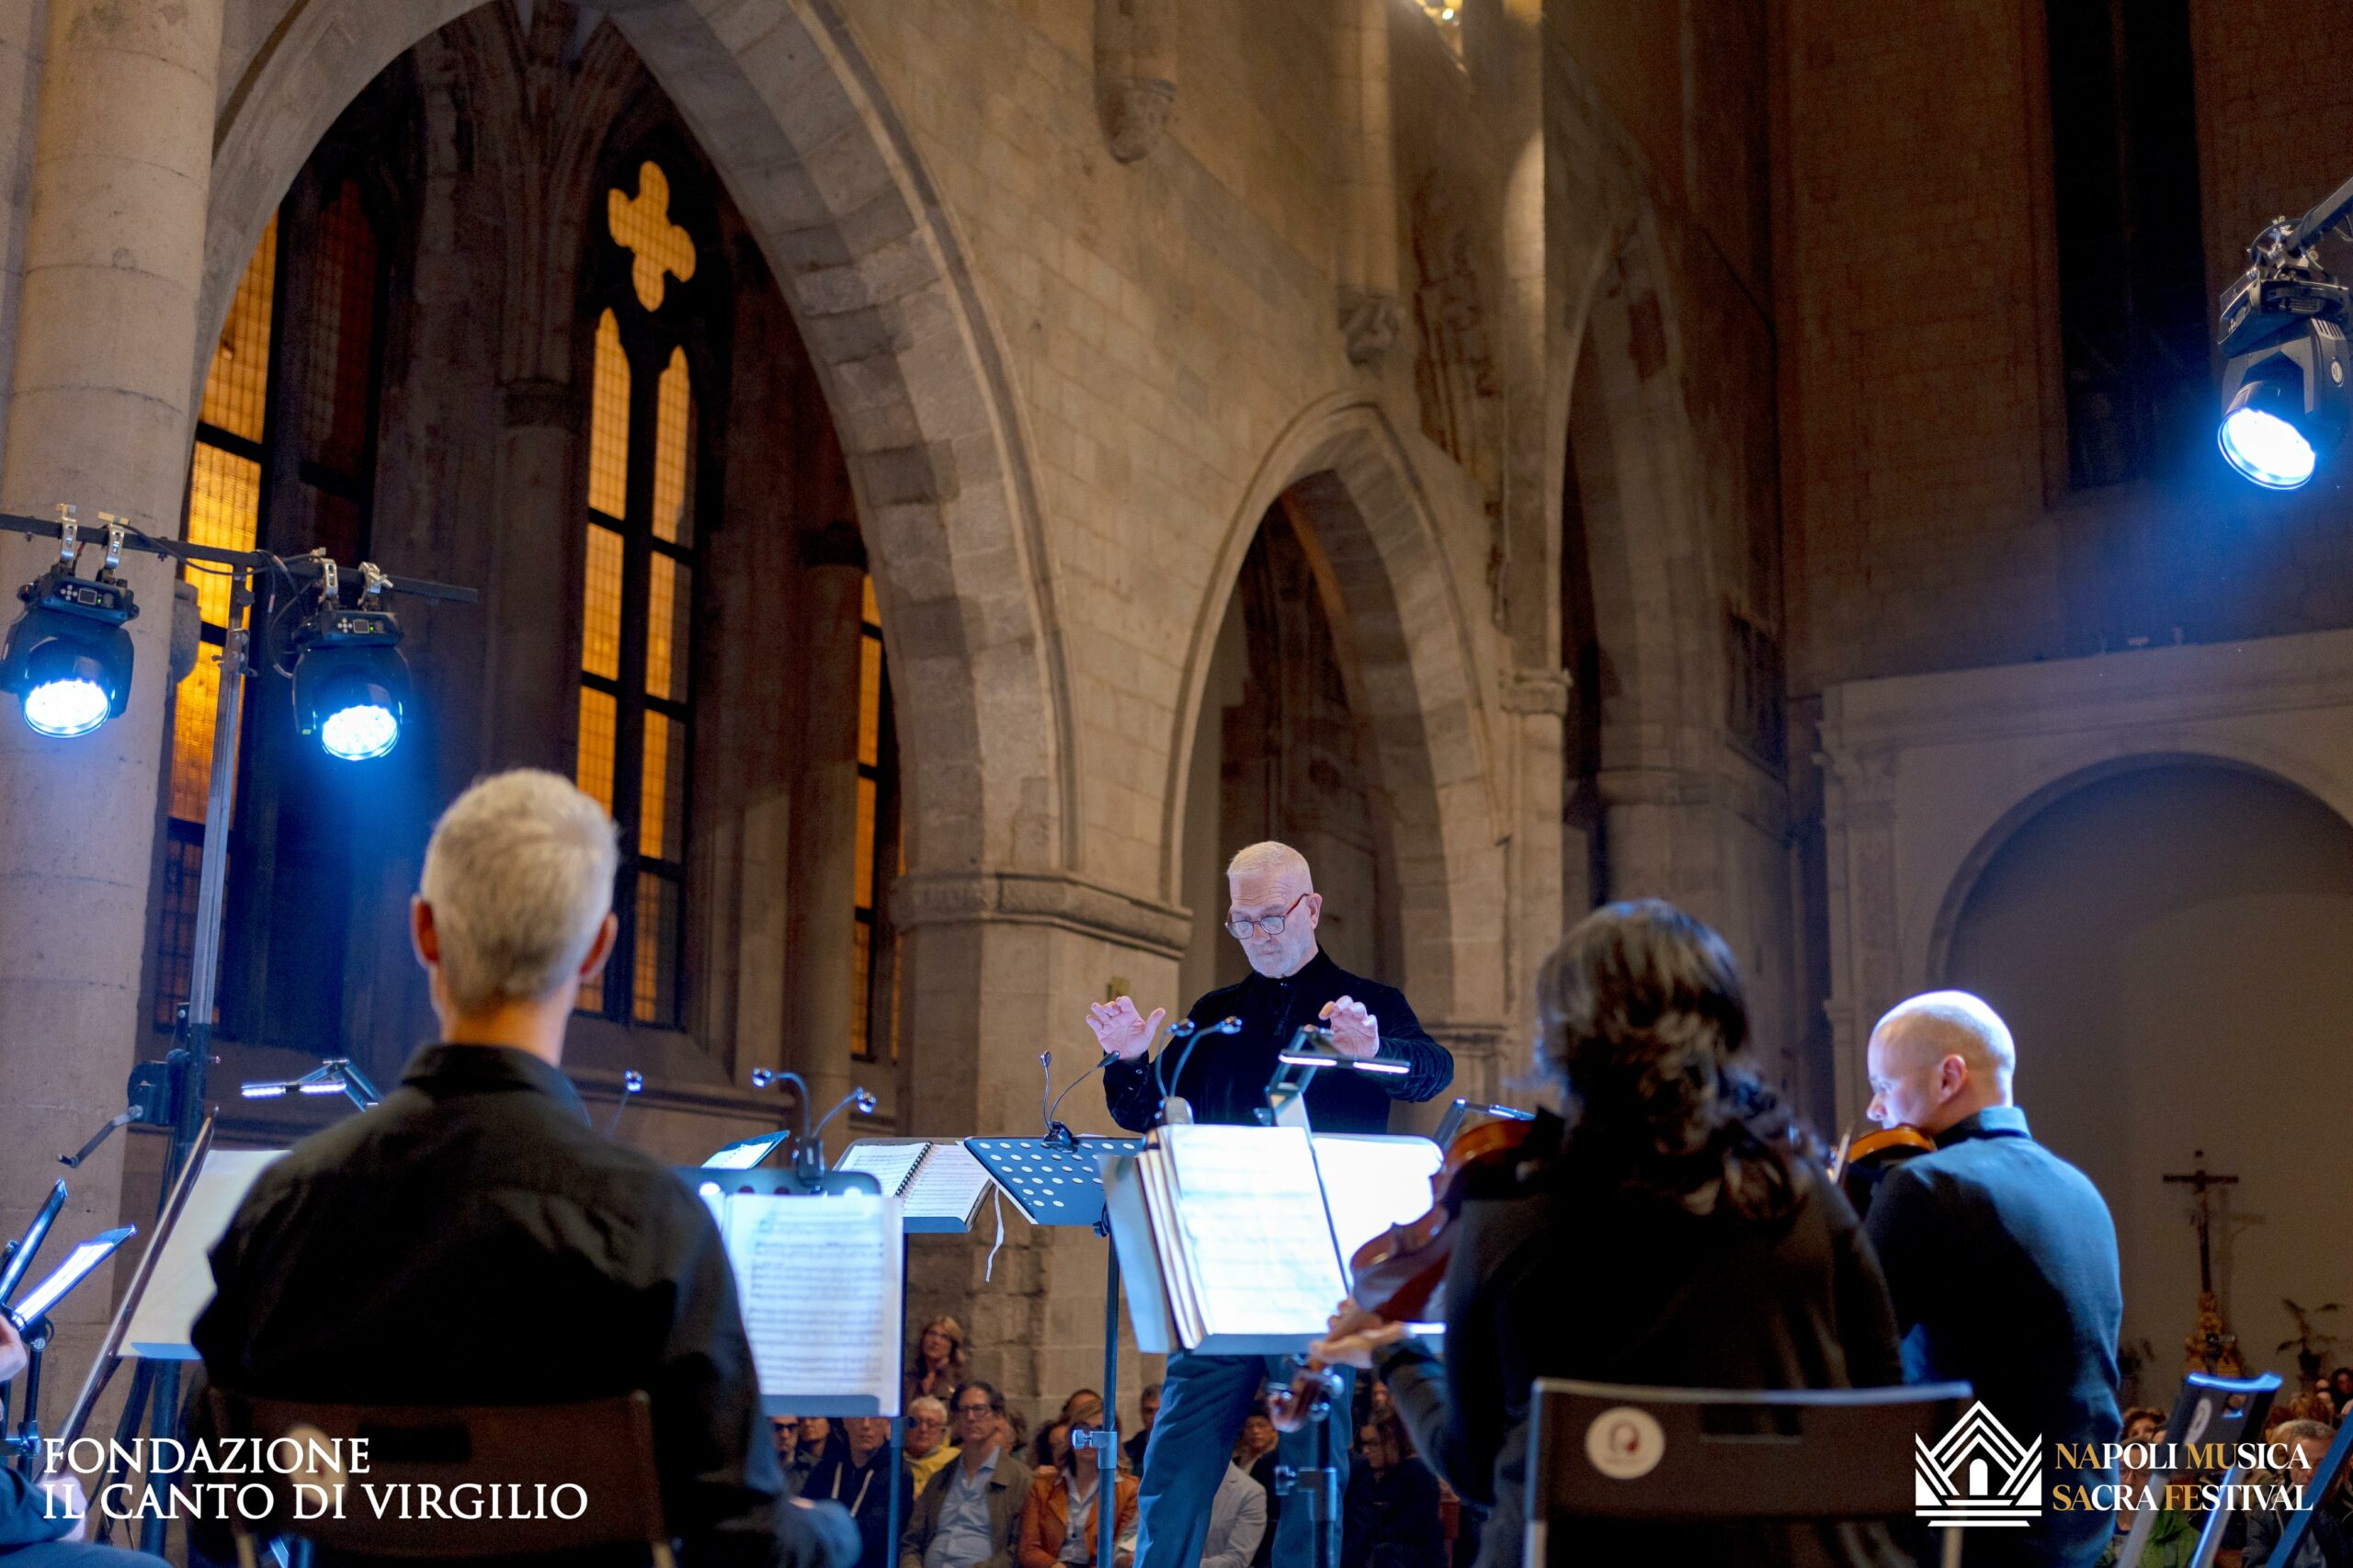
{"x": 1409, "y": 666}
{"x": 2080, "y": 770}
{"x": 823, "y": 173}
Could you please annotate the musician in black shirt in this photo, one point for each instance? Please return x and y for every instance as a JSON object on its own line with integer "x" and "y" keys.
{"x": 474, "y": 1241}
{"x": 1274, "y": 911}
{"x": 1674, "y": 1231}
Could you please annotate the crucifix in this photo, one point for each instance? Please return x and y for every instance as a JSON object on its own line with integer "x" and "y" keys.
{"x": 2213, "y": 1347}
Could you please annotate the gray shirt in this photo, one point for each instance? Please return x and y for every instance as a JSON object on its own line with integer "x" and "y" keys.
{"x": 962, "y": 1538}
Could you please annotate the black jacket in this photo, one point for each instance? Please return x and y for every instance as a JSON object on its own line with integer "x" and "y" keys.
{"x": 861, "y": 1490}
{"x": 1561, "y": 1271}
{"x": 474, "y": 1241}
{"x": 2001, "y": 1259}
{"x": 1224, "y": 1078}
{"x": 1391, "y": 1520}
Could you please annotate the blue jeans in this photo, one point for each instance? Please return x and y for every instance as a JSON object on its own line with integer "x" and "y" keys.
{"x": 1203, "y": 1402}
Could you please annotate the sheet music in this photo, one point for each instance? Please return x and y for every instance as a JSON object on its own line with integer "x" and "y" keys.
{"x": 819, "y": 1281}
{"x": 1372, "y": 1183}
{"x": 1251, "y": 1209}
{"x": 181, "y": 1286}
{"x": 890, "y": 1164}
{"x": 947, "y": 1183}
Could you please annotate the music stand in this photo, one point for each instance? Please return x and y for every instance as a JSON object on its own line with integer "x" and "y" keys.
{"x": 784, "y": 1181}
{"x": 2209, "y": 1410}
{"x": 1058, "y": 1182}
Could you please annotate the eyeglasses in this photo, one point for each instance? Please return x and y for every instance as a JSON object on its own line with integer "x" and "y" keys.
{"x": 1272, "y": 924}
{"x": 976, "y": 1409}
{"x": 925, "y": 1421}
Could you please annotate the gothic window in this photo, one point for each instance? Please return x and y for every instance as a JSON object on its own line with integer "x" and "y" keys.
{"x": 874, "y": 1016}
{"x": 284, "y": 459}
{"x": 640, "y": 564}
{"x": 2133, "y": 295}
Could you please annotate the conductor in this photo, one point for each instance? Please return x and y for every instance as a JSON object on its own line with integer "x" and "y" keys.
{"x": 1273, "y": 912}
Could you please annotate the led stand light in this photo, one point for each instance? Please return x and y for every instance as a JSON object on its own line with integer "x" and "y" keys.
{"x": 351, "y": 686}
{"x": 68, "y": 658}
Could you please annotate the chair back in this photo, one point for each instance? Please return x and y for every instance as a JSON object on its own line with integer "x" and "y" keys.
{"x": 1611, "y": 1451}
{"x": 452, "y": 1480}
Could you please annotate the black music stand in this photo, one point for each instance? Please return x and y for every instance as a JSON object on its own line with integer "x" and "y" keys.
{"x": 773, "y": 1181}
{"x": 2325, "y": 1477}
{"x": 2209, "y": 1410}
{"x": 1058, "y": 1182}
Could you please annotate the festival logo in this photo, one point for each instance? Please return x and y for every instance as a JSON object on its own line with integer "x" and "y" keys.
{"x": 1978, "y": 1475}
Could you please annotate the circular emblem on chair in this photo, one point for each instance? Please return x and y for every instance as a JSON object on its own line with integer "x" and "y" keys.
{"x": 1625, "y": 1442}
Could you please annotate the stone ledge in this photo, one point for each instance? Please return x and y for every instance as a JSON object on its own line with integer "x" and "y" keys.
{"x": 1040, "y": 898}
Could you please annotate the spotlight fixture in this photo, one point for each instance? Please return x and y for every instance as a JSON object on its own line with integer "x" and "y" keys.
{"x": 67, "y": 657}
{"x": 2281, "y": 326}
{"x": 351, "y": 686}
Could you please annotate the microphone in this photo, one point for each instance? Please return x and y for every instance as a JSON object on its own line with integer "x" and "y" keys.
{"x": 809, "y": 1159}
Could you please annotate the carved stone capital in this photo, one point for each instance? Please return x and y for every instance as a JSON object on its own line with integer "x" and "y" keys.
{"x": 1039, "y": 898}
{"x": 1134, "y": 111}
{"x": 1536, "y": 691}
{"x": 1370, "y": 322}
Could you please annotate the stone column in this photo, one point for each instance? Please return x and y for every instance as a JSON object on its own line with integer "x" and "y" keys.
{"x": 532, "y": 652}
{"x": 1371, "y": 316}
{"x": 825, "y": 819}
{"x": 104, "y": 371}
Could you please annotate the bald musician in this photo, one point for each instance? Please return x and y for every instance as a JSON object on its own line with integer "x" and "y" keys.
{"x": 1273, "y": 912}
{"x": 2000, "y": 1257}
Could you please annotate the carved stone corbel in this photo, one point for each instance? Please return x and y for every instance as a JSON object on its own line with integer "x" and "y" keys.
{"x": 1135, "y": 73}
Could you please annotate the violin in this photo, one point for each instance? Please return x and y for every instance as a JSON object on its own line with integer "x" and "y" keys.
{"x": 1861, "y": 1163}
{"x": 1395, "y": 1274}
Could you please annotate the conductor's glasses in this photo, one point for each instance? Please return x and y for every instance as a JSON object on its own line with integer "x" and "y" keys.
{"x": 1272, "y": 924}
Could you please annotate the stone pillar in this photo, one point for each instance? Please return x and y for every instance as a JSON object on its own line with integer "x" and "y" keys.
{"x": 104, "y": 373}
{"x": 1371, "y": 316}
{"x": 531, "y": 649}
{"x": 825, "y": 819}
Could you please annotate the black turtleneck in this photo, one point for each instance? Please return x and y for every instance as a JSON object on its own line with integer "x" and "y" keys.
{"x": 1225, "y": 1077}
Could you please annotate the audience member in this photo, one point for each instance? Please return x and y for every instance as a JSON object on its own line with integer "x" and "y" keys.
{"x": 854, "y": 1470}
{"x": 1058, "y": 1521}
{"x": 1237, "y": 1521}
{"x": 926, "y": 1444}
{"x": 939, "y": 1366}
{"x": 2173, "y": 1537}
{"x": 797, "y": 1459}
{"x": 1147, "y": 1412}
{"x": 2329, "y": 1542}
{"x": 1390, "y": 1518}
{"x": 1052, "y": 1446}
{"x": 969, "y": 1514}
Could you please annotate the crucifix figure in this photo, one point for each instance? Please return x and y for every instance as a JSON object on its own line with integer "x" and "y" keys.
{"x": 2212, "y": 1347}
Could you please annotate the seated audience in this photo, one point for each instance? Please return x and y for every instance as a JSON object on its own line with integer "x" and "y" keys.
{"x": 2173, "y": 1534}
{"x": 1258, "y": 1450}
{"x": 1058, "y": 1521}
{"x": 2329, "y": 1542}
{"x": 797, "y": 1457}
{"x": 940, "y": 1364}
{"x": 1731, "y": 1261}
{"x": 576, "y": 1268}
{"x": 1046, "y": 1455}
{"x": 926, "y": 1442}
{"x": 854, "y": 1471}
{"x": 1147, "y": 1412}
{"x": 969, "y": 1513}
{"x": 1237, "y": 1521}
{"x": 1390, "y": 1518}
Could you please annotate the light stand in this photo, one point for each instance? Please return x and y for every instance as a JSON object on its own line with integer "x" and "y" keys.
{"x": 173, "y": 1098}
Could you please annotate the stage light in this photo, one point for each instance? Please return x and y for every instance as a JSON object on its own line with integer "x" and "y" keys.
{"x": 351, "y": 686}
{"x": 2285, "y": 404}
{"x": 2281, "y": 326}
{"x": 68, "y": 658}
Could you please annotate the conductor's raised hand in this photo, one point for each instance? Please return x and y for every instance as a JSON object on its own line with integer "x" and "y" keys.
{"x": 1355, "y": 1032}
{"x": 1121, "y": 1030}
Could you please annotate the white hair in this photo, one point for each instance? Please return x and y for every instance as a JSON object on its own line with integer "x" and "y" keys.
{"x": 926, "y": 1402}
{"x": 520, "y": 875}
{"x": 1273, "y": 859}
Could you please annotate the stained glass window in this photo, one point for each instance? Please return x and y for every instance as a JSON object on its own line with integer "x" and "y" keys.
{"x": 637, "y": 588}
{"x": 874, "y": 945}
